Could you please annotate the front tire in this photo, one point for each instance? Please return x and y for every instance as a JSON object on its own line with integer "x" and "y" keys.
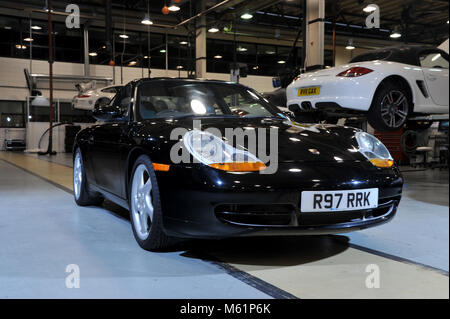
{"x": 145, "y": 207}
{"x": 390, "y": 108}
{"x": 81, "y": 193}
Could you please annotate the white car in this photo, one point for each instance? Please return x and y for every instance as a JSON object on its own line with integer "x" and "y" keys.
{"x": 389, "y": 85}
{"x": 87, "y": 99}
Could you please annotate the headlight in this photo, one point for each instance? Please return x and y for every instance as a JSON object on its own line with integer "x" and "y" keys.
{"x": 374, "y": 150}
{"x": 212, "y": 151}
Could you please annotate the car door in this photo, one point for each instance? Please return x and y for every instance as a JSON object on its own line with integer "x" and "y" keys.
{"x": 109, "y": 144}
{"x": 435, "y": 65}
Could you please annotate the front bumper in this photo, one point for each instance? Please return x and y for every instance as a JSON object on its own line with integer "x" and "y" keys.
{"x": 206, "y": 203}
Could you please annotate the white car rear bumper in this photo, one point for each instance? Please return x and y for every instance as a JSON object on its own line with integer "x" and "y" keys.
{"x": 350, "y": 93}
{"x": 83, "y": 103}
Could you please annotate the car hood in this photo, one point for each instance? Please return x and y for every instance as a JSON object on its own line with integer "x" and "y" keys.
{"x": 295, "y": 142}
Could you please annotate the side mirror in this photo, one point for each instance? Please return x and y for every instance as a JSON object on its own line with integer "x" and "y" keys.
{"x": 107, "y": 113}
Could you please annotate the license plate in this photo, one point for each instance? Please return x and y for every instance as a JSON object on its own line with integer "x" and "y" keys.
{"x": 309, "y": 91}
{"x": 328, "y": 201}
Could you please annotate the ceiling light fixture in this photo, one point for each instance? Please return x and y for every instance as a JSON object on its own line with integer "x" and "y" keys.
{"x": 123, "y": 36}
{"x": 21, "y": 46}
{"x": 174, "y": 8}
{"x": 370, "y": 8}
{"x": 281, "y": 62}
{"x": 350, "y": 45}
{"x": 92, "y": 53}
{"x": 213, "y": 30}
{"x": 36, "y": 27}
{"x": 217, "y": 57}
{"x": 183, "y": 42}
{"x": 395, "y": 35}
{"x": 162, "y": 51}
{"x": 242, "y": 49}
{"x": 28, "y": 39}
{"x": 132, "y": 63}
{"x": 147, "y": 20}
{"x": 246, "y": 16}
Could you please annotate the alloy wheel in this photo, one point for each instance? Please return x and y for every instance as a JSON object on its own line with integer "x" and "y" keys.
{"x": 394, "y": 108}
{"x": 77, "y": 175}
{"x": 141, "y": 201}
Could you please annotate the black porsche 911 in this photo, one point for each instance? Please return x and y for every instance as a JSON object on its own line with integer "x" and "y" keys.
{"x": 318, "y": 179}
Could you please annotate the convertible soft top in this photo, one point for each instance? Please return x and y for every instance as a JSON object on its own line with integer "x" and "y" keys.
{"x": 407, "y": 54}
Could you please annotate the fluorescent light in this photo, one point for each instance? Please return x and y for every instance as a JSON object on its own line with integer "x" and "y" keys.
{"x": 242, "y": 49}
{"x": 28, "y": 39}
{"x": 147, "y": 20}
{"x": 370, "y": 8}
{"x": 255, "y": 67}
{"x": 162, "y": 51}
{"x": 395, "y": 35}
{"x": 217, "y": 57}
{"x": 7, "y": 27}
{"x": 281, "y": 62}
{"x": 183, "y": 42}
{"x": 92, "y": 53}
{"x": 179, "y": 67}
{"x": 174, "y": 8}
{"x": 123, "y": 36}
{"x": 213, "y": 30}
{"x": 246, "y": 16}
{"x": 132, "y": 63}
{"x": 36, "y": 27}
{"x": 145, "y": 56}
{"x": 270, "y": 52}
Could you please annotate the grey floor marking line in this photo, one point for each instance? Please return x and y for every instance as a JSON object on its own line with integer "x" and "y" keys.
{"x": 393, "y": 257}
{"x": 68, "y": 190}
{"x": 246, "y": 278}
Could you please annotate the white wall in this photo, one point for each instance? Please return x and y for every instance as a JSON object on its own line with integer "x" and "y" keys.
{"x": 13, "y": 84}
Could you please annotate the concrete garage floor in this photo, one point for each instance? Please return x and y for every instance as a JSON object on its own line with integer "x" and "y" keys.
{"x": 42, "y": 231}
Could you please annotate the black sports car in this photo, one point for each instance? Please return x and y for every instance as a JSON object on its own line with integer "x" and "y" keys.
{"x": 165, "y": 153}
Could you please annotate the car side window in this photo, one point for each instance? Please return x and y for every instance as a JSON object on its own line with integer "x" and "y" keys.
{"x": 433, "y": 60}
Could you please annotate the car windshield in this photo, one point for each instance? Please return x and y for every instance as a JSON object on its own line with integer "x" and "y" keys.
{"x": 159, "y": 99}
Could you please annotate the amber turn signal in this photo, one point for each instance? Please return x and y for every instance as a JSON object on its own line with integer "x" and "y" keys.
{"x": 161, "y": 167}
{"x": 239, "y": 166}
{"x": 380, "y": 162}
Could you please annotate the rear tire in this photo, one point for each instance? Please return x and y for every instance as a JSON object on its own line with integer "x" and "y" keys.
{"x": 145, "y": 207}
{"x": 390, "y": 108}
{"x": 102, "y": 102}
{"x": 81, "y": 193}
